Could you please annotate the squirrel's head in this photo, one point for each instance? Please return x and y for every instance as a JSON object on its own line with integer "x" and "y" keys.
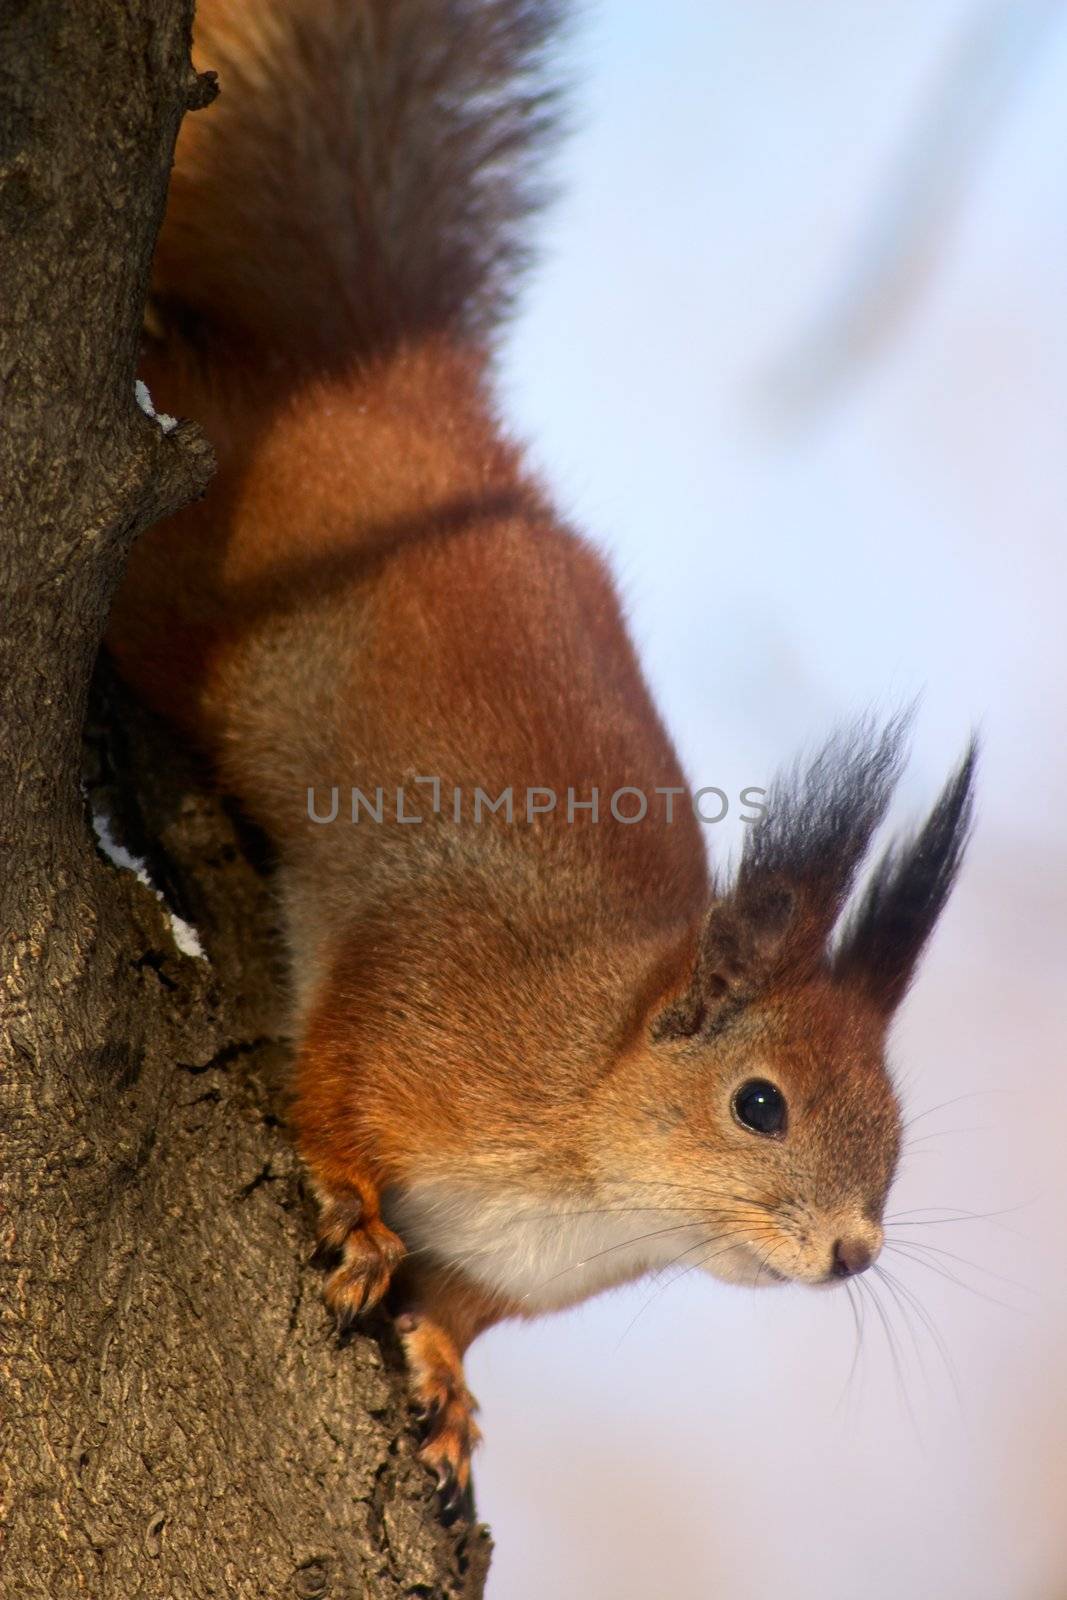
{"x": 766, "y": 1112}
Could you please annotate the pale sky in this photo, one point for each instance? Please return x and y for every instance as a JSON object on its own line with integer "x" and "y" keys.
{"x": 899, "y": 530}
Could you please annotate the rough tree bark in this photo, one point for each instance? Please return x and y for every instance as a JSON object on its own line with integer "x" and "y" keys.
{"x": 177, "y": 1417}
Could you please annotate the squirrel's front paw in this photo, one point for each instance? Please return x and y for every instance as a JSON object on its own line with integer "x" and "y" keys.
{"x": 351, "y": 1229}
{"x": 444, "y": 1407}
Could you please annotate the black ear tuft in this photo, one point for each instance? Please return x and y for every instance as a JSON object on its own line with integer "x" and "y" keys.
{"x": 883, "y": 939}
{"x": 774, "y": 925}
{"x": 820, "y": 820}
{"x": 796, "y": 870}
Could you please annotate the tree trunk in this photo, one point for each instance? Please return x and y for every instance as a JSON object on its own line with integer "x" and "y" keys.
{"x": 178, "y": 1418}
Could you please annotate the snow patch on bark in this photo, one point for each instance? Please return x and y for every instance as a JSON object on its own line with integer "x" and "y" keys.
{"x": 185, "y": 936}
{"x": 144, "y": 400}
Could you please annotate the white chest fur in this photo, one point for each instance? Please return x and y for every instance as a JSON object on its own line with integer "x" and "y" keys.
{"x": 542, "y": 1254}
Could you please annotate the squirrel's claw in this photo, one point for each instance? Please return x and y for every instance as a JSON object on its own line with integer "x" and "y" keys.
{"x": 455, "y": 1498}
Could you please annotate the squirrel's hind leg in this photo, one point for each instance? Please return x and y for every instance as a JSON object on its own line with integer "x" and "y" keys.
{"x": 444, "y": 1406}
{"x": 438, "y": 1312}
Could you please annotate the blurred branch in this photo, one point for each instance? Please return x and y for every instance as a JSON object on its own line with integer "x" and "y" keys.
{"x": 898, "y": 247}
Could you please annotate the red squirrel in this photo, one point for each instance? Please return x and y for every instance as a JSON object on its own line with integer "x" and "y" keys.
{"x": 541, "y": 1053}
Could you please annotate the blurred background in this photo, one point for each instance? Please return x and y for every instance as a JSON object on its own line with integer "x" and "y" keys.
{"x": 797, "y": 358}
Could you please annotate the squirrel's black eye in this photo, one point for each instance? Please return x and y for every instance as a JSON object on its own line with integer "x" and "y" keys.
{"x": 760, "y": 1106}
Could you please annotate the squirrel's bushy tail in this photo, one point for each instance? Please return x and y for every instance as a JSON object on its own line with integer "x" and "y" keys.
{"x": 363, "y": 176}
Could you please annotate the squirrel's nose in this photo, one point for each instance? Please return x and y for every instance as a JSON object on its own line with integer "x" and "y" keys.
{"x": 850, "y": 1256}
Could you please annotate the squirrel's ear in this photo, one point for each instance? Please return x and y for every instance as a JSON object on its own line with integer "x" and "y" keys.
{"x": 795, "y": 874}
{"x": 742, "y": 941}
{"x": 883, "y": 939}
